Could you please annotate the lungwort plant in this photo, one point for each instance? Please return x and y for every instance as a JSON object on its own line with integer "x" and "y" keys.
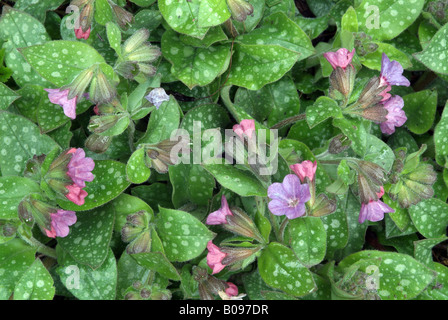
{"x": 223, "y": 149}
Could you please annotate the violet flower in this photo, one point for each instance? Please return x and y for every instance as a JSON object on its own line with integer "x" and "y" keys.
{"x": 214, "y": 257}
{"x": 392, "y": 73}
{"x": 157, "y": 96}
{"x": 374, "y": 210}
{"x": 58, "y": 96}
{"x": 219, "y": 216}
{"x": 289, "y": 197}
{"x": 80, "y": 167}
{"x": 60, "y": 221}
{"x": 341, "y": 58}
{"x": 396, "y": 117}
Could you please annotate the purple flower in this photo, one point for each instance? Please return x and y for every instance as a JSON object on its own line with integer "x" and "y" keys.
{"x": 374, "y": 210}
{"x": 60, "y": 221}
{"x": 58, "y": 96}
{"x": 219, "y": 216}
{"x": 79, "y": 169}
{"x": 289, "y": 197}
{"x": 392, "y": 73}
{"x": 395, "y": 117}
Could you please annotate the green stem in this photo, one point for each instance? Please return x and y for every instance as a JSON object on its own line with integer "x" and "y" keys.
{"x": 274, "y": 226}
{"x": 288, "y": 121}
{"x": 131, "y": 133}
{"x": 282, "y": 229}
{"x": 225, "y": 96}
{"x": 40, "y": 247}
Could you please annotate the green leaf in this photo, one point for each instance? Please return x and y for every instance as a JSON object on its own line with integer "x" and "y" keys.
{"x": 38, "y": 8}
{"x": 183, "y": 236}
{"x": 35, "y": 284}
{"x": 109, "y": 182}
{"x": 21, "y": 30}
{"x": 129, "y": 272}
{"x": 430, "y": 217}
{"x": 194, "y": 66}
{"x": 423, "y": 250}
{"x": 136, "y": 169}
{"x": 103, "y": 12}
{"x": 89, "y": 238}
{"x": 420, "y": 109}
{"x": 251, "y": 21}
{"x": 255, "y": 65}
{"x": 212, "y": 13}
{"x": 12, "y": 191}
{"x": 354, "y": 129}
{"x": 20, "y": 141}
{"x": 125, "y": 205}
{"x": 350, "y": 20}
{"x": 7, "y": 96}
{"x": 321, "y": 110}
{"x": 337, "y": 229}
{"x": 214, "y": 35}
{"x": 211, "y": 116}
{"x": 278, "y": 29}
{"x": 373, "y": 60}
{"x": 435, "y": 54}
{"x": 114, "y": 37}
{"x": 401, "y": 277}
{"x": 15, "y": 258}
{"x": 61, "y": 61}
{"x": 162, "y": 123}
{"x": 241, "y": 182}
{"x": 441, "y": 138}
{"x": 308, "y": 240}
{"x": 191, "y": 183}
{"x": 440, "y": 290}
{"x": 86, "y": 283}
{"x": 379, "y": 152}
{"x": 280, "y": 269}
{"x": 183, "y": 16}
{"x": 157, "y": 261}
{"x": 393, "y": 17}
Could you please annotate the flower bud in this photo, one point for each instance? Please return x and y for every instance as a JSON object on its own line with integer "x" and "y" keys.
{"x": 99, "y": 124}
{"x": 323, "y": 206}
{"x": 371, "y": 95}
{"x": 123, "y": 17}
{"x": 371, "y": 178}
{"x": 136, "y": 231}
{"x": 339, "y": 144}
{"x": 241, "y": 224}
{"x": 7, "y": 229}
{"x": 165, "y": 153}
{"x": 377, "y": 113}
{"x": 135, "y": 41}
{"x": 86, "y": 17}
{"x": 97, "y": 143}
{"x": 127, "y": 69}
{"x": 342, "y": 80}
{"x": 101, "y": 90}
{"x": 145, "y": 53}
{"x": 240, "y": 9}
{"x": 235, "y": 256}
{"x": 79, "y": 85}
{"x": 147, "y": 69}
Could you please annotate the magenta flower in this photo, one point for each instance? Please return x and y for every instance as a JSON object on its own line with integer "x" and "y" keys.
{"x": 305, "y": 169}
{"x": 80, "y": 34}
{"x": 76, "y": 194}
{"x": 289, "y": 197}
{"x": 60, "y": 221}
{"x": 245, "y": 128}
{"x": 80, "y": 168}
{"x": 214, "y": 257}
{"x": 396, "y": 117}
{"x": 219, "y": 216}
{"x": 232, "y": 290}
{"x": 392, "y": 73}
{"x": 58, "y": 96}
{"x": 374, "y": 210}
{"x": 341, "y": 58}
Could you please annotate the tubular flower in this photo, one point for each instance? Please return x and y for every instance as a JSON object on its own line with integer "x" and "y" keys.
{"x": 392, "y": 73}
{"x": 374, "y": 210}
{"x": 395, "y": 117}
{"x": 60, "y": 221}
{"x": 80, "y": 34}
{"x": 214, "y": 257}
{"x": 305, "y": 169}
{"x": 219, "y": 216}
{"x": 76, "y": 194}
{"x": 80, "y": 168}
{"x": 60, "y": 97}
{"x": 245, "y": 128}
{"x": 341, "y": 58}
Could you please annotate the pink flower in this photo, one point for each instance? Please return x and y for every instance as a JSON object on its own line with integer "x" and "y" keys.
{"x": 58, "y": 96}
{"x": 76, "y": 194}
{"x": 80, "y": 34}
{"x": 80, "y": 168}
{"x": 232, "y": 290}
{"x": 306, "y": 169}
{"x": 60, "y": 221}
{"x": 386, "y": 95}
{"x": 341, "y": 58}
{"x": 392, "y": 73}
{"x": 214, "y": 257}
{"x": 396, "y": 117}
{"x": 245, "y": 128}
{"x": 219, "y": 216}
{"x": 289, "y": 197}
{"x": 374, "y": 210}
